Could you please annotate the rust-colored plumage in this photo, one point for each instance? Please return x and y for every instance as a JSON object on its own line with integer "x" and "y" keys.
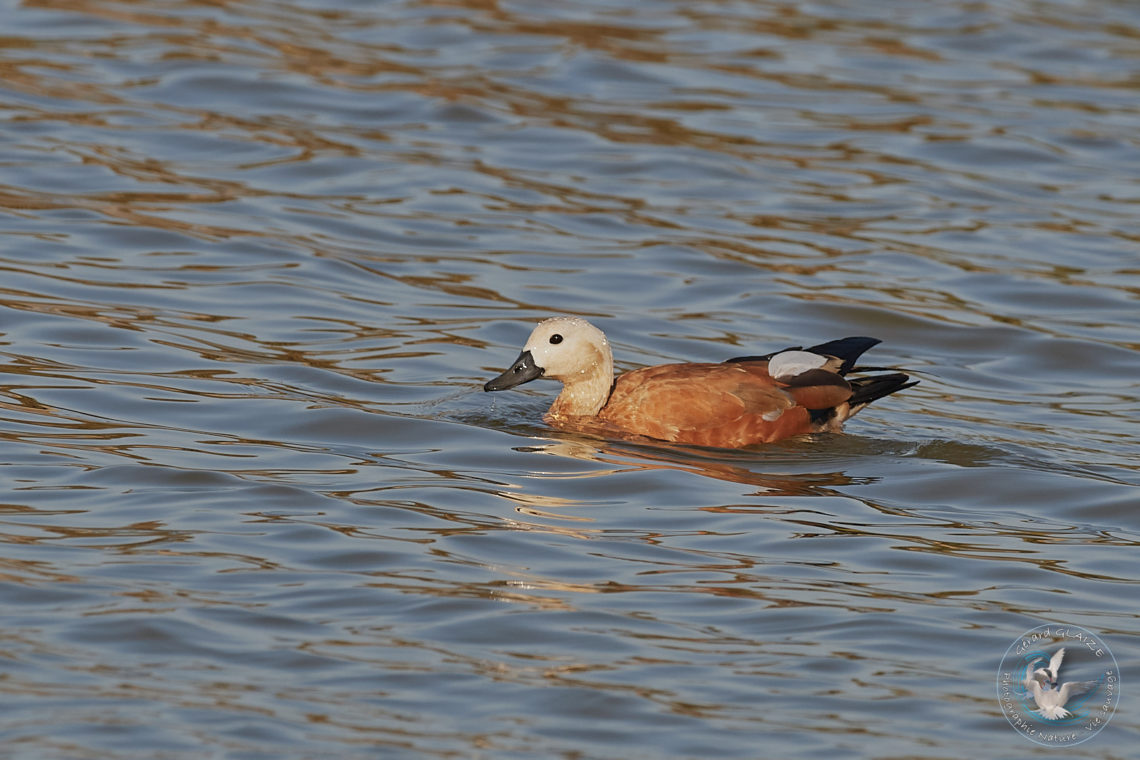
{"x": 740, "y": 402}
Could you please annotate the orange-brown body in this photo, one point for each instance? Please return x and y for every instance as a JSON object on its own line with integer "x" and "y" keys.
{"x": 724, "y": 405}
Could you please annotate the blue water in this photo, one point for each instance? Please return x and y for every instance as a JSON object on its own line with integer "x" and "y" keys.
{"x": 258, "y": 259}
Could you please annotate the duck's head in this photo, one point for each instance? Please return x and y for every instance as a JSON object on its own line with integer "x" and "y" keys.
{"x": 561, "y": 348}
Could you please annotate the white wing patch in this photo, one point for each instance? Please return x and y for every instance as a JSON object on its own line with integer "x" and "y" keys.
{"x": 791, "y": 363}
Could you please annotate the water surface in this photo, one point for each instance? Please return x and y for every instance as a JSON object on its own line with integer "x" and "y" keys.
{"x": 258, "y": 257}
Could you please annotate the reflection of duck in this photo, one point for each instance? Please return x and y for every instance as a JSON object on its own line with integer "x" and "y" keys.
{"x": 626, "y": 456}
{"x": 1042, "y": 685}
{"x": 746, "y": 400}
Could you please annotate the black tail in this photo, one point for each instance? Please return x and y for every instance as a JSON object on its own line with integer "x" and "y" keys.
{"x": 868, "y": 389}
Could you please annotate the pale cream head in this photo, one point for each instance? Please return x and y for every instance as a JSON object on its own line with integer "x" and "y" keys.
{"x": 570, "y": 349}
{"x": 577, "y": 353}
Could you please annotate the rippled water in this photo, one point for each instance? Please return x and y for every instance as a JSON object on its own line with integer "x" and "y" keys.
{"x": 258, "y": 257}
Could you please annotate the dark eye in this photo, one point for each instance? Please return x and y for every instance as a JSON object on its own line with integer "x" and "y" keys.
{"x": 556, "y": 339}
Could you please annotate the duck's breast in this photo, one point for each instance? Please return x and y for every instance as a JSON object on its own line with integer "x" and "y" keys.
{"x": 727, "y": 405}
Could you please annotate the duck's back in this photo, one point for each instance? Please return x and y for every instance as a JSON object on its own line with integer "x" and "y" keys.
{"x": 726, "y": 405}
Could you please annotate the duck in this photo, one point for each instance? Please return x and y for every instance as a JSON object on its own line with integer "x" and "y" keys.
{"x": 741, "y": 402}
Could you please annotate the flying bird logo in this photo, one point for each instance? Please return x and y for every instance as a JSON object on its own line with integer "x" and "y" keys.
{"x": 1039, "y": 695}
{"x": 1041, "y": 683}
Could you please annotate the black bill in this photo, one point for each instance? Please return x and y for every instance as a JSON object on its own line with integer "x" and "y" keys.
{"x": 522, "y": 371}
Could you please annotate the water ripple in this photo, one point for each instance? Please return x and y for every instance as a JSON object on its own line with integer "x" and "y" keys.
{"x": 259, "y": 258}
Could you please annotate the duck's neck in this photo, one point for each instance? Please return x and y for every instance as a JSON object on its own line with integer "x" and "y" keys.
{"x": 585, "y": 393}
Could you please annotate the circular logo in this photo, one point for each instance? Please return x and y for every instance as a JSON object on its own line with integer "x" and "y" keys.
{"x": 1058, "y": 685}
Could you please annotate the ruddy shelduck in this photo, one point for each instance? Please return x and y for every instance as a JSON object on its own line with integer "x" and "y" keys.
{"x": 739, "y": 402}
